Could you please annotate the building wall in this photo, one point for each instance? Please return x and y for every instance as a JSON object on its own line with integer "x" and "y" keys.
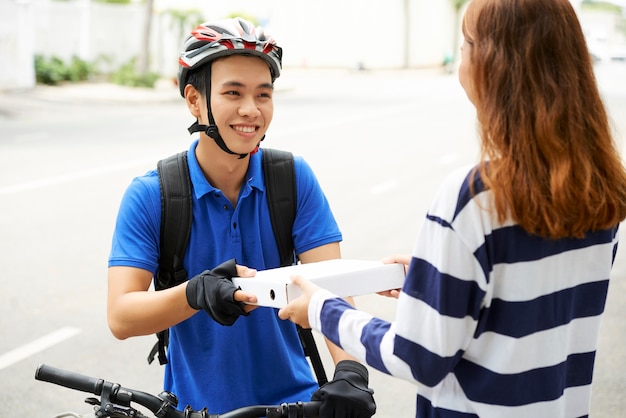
{"x": 17, "y": 45}
{"x": 322, "y": 33}
{"x": 347, "y": 33}
{"x": 372, "y": 34}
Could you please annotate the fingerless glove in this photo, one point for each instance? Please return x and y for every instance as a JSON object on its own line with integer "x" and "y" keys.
{"x": 212, "y": 291}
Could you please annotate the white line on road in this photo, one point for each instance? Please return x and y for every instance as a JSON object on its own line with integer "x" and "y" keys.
{"x": 36, "y": 346}
{"x": 77, "y": 175}
{"x": 384, "y": 187}
{"x": 448, "y": 159}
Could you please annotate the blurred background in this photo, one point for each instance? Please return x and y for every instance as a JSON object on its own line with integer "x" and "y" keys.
{"x": 137, "y": 42}
{"x": 369, "y": 96}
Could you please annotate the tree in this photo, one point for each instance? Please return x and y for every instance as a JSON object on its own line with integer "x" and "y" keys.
{"x": 142, "y": 65}
{"x": 458, "y": 6}
{"x": 184, "y": 20}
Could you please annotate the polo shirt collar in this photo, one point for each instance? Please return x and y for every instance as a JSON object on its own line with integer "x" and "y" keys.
{"x": 201, "y": 186}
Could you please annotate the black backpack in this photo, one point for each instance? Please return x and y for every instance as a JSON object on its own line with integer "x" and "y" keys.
{"x": 176, "y": 216}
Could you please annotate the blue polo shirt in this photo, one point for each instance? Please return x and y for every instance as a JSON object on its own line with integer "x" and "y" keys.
{"x": 259, "y": 359}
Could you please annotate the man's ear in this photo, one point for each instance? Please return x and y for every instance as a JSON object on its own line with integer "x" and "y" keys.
{"x": 193, "y": 98}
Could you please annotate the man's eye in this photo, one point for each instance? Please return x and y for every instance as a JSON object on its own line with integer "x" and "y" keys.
{"x": 232, "y": 93}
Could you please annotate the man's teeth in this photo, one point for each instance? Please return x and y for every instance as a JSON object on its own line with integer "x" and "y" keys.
{"x": 246, "y": 129}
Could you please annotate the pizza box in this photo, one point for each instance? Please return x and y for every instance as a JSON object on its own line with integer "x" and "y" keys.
{"x": 343, "y": 277}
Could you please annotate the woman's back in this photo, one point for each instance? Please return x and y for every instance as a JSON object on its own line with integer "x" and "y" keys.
{"x": 519, "y": 321}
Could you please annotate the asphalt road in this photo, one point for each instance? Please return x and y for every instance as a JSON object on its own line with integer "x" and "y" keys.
{"x": 380, "y": 143}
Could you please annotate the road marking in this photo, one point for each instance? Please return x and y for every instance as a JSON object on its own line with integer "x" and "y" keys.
{"x": 77, "y": 175}
{"x": 36, "y": 346}
{"x": 448, "y": 159}
{"x": 343, "y": 120}
{"x": 384, "y": 187}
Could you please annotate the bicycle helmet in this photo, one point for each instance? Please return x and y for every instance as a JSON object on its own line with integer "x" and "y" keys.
{"x": 212, "y": 40}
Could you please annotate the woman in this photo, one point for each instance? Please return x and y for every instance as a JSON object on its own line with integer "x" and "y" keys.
{"x": 500, "y": 311}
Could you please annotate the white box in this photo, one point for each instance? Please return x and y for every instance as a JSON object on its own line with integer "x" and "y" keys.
{"x": 343, "y": 277}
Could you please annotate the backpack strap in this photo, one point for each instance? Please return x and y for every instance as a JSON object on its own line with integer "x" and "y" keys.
{"x": 176, "y": 215}
{"x": 280, "y": 186}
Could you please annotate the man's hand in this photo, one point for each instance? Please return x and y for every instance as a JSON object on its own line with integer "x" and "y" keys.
{"x": 214, "y": 292}
{"x": 347, "y": 395}
{"x": 297, "y": 311}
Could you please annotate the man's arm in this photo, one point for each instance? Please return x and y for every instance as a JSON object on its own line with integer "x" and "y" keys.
{"x": 132, "y": 310}
{"x": 330, "y": 251}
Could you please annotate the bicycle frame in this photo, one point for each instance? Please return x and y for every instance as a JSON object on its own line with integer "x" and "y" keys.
{"x": 115, "y": 400}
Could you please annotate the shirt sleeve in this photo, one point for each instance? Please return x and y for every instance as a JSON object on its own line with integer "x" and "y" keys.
{"x": 315, "y": 224}
{"x": 135, "y": 240}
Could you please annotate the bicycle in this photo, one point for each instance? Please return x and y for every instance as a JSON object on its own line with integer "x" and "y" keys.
{"x": 115, "y": 400}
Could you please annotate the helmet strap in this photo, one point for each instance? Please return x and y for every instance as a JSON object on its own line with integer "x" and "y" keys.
{"x": 211, "y": 130}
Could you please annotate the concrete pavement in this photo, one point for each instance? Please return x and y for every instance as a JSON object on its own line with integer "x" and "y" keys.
{"x": 609, "y": 397}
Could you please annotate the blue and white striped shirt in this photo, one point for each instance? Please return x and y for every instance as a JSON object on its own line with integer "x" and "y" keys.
{"x": 491, "y": 321}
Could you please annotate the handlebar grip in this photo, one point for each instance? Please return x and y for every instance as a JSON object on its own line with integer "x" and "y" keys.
{"x": 69, "y": 379}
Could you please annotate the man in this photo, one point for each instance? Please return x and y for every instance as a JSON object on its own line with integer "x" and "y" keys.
{"x": 235, "y": 356}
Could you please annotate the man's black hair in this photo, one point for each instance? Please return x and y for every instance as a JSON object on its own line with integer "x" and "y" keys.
{"x": 198, "y": 77}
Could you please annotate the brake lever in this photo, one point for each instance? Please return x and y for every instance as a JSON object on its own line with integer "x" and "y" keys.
{"x": 106, "y": 408}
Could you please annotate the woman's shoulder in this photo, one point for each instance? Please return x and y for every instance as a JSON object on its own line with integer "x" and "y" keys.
{"x": 460, "y": 180}
{"x": 457, "y": 190}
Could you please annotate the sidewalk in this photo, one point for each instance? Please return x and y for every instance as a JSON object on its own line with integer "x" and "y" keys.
{"x": 89, "y": 92}
{"x": 165, "y": 89}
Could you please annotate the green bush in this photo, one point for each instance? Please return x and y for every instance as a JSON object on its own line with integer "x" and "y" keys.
{"x": 114, "y": 1}
{"x": 127, "y": 76}
{"x": 50, "y": 71}
{"x": 54, "y": 70}
{"x": 80, "y": 70}
{"x": 600, "y": 6}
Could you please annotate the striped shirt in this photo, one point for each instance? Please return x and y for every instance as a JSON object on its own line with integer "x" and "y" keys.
{"x": 491, "y": 321}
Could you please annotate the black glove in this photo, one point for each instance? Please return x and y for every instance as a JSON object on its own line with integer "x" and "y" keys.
{"x": 347, "y": 395}
{"x": 213, "y": 290}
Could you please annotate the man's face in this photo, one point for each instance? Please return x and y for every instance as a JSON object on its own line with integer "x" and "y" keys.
{"x": 241, "y": 101}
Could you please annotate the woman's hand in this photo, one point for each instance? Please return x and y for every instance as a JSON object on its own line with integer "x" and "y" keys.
{"x": 240, "y": 295}
{"x": 297, "y": 311}
{"x": 404, "y": 259}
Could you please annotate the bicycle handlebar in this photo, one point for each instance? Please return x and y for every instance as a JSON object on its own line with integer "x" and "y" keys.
{"x": 69, "y": 379}
{"x": 118, "y": 399}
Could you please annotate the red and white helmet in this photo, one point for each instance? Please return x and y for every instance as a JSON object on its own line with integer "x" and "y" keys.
{"x": 212, "y": 40}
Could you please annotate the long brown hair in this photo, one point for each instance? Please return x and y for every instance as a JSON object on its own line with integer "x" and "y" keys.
{"x": 553, "y": 166}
